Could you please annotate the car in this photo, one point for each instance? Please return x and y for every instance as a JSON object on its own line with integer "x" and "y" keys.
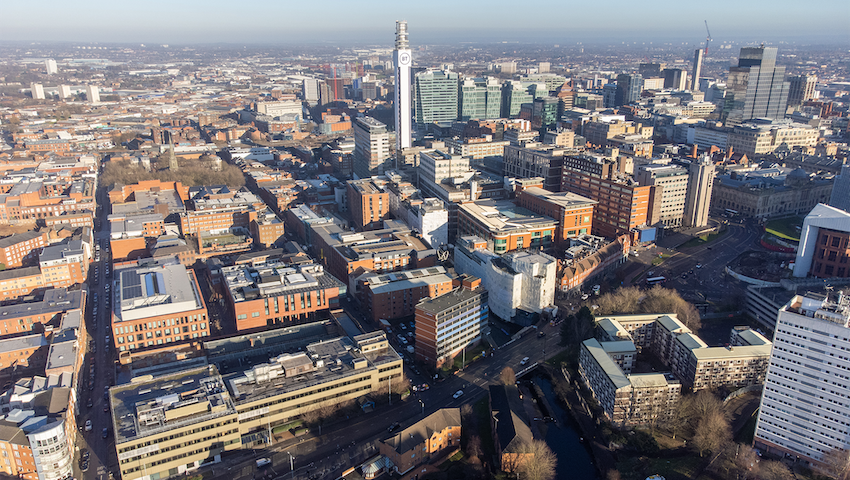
{"x": 585, "y": 296}
{"x": 89, "y": 404}
{"x": 84, "y": 465}
{"x": 541, "y": 334}
{"x": 458, "y": 394}
{"x": 403, "y": 326}
{"x": 105, "y": 432}
{"x": 262, "y": 462}
{"x": 88, "y": 425}
{"x": 524, "y": 361}
{"x": 84, "y": 454}
{"x": 699, "y": 265}
{"x": 105, "y": 408}
{"x": 395, "y": 426}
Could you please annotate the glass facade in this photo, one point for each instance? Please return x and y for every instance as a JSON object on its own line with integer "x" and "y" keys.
{"x": 436, "y": 98}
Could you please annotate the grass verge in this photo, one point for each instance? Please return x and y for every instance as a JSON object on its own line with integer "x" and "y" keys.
{"x": 785, "y": 228}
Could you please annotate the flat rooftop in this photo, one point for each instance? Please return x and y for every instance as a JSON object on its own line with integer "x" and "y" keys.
{"x": 320, "y": 362}
{"x": 157, "y": 405}
{"x": 155, "y": 287}
{"x": 394, "y": 281}
{"x": 567, "y": 200}
{"x": 54, "y": 300}
{"x": 446, "y": 301}
{"x": 270, "y": 279}
{"x": 504, "y": 215}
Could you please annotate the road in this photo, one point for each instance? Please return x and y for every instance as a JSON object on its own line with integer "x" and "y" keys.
{"x": 103, "y": 459}
{"x": 351, "y": 442}
{"x": 709, "y": 282}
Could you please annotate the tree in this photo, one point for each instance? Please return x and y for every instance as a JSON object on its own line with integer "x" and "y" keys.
{"x": 746, "y": 461}
{"x": 539, "y": 461}
{"x": 712, "y": 432}
{"x": 680, "y": 416}
{"x": 613, "y": 475}
{"x": 507, "y": 377}
{"x": 774, "y": 470}
{"x": 655, "y": 300}
{"x": 837, "y": 464}
{"x": 473, "y": 448}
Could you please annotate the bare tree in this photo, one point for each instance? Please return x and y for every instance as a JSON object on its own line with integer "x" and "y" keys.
{"x": 837, "y": 464}
{"x": 774, "y": 470}
{"x": 705, "y": 404}
{"x": 613, "y": 475}
{"x": 539, "y": 462}
{"x": 711, "y": 434}
{"x": 654, "y": 300}
{"x": 746, "y": 461}
{"x": 680, "y": 416}
{"x": 473, "y": 448}
{"x": 507, "y": 377}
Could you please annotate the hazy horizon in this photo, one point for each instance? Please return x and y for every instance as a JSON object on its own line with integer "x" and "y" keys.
{"x": 436, "y": 22}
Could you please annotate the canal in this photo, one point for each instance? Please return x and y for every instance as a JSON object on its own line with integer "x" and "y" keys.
{"x": 574, "y": 459}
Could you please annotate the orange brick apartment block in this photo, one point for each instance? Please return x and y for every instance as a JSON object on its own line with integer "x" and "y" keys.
{"x": 274, "y": 294}
{"x": 27, "y": 202}
{"x": 21, "y": 248}
{"x": 159, "y": 302}
{"x": 390, "y": 296}
{"x": 218, "y": 209}
{"x": 15, "y": 447}
{"x": 368, "y": 203}
{"x": 573, "y": 212}
{"x": 423, "y": 441}
{"x": 125, "y": 193}
{"x": 23, "y": 352}
{"x": 622, "y": 205}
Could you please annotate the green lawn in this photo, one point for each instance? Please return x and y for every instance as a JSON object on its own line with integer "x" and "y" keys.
{"x": 785, "y": 228}
{"x": 694, "y": 242}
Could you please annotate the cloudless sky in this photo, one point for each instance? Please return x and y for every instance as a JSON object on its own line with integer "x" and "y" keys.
{"x": 358, "y": 22}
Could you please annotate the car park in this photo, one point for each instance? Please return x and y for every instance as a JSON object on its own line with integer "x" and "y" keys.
{"x": 458, "y": 394}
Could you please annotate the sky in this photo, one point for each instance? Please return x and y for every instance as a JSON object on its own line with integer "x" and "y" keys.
{"x": 430, "y": 21}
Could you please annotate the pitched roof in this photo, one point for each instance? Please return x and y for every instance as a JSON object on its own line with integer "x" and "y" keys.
{"x": 512, "y": 425}
{"x": 420, "y": 431}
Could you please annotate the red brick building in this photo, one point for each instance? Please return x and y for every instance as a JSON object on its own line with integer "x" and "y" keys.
{"x": 423, "y": 441}
{"x": 391, "y": 296}
{"x": 368, "y": 203}
{"x": 573, "y": 212}
{"x": 18, "y": 249}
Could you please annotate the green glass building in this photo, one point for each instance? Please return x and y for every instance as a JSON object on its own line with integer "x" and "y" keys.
{"x": 436, "y": 98}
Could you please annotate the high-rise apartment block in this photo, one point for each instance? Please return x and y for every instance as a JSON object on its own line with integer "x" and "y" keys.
{"x": 369, "y": 204}
{"x": 50, "y": 66}
{"x": 804, "y": 408}
{"x": 37, "y": 90}
{"x": 402, "y": 60}
{"x": 371, "y": 147}
{"x": 629, "y": 87}
{"x": 801, "y": 88}
{"x": 64, "y": 92}
{"x": 756, "y": 88}
{"x": 671, "y": 182}
{"x": 93, "y": 93}
{"x": 700, "y": 185}
{"x": 697, "y": 69}
{"x": 310, "y": 90}
{"x": 447, "y": 324}
{"x": 436, "y": 98}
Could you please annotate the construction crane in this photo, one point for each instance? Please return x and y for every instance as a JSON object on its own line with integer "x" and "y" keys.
{"x": 707, "y": 38}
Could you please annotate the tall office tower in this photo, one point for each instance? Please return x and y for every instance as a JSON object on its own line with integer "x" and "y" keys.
{"x": 697, "y": 69}
{"x": 543, "y": 67}
{"x": 37, "y": 91}
{"x": 50, "y": 66}
{"x": 698, "y": 199}
{"x": 436, "y": 98}
{"x": 841, "y": 190}
{"x": 402, "y": 61}
{"x": 629, "y": 87}
{"x": 480, "y": 99}
{"x": 804, "y": 407}
{"x": 64, "y": 91}
{"x": 609, "y": 95}
{"x": 756, "y": 88}
{"x": 310, "y": 90}
{"x": 93, "y": 93}
{"x": 801, "y": 88}
{"x": 371, "y": 147}
{"x": 650, "y": 70}
{"x": 514, "y": 94}
{"x": 675, "y": 78}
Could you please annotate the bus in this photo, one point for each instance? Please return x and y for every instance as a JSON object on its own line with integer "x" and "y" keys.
{"x": 655, "y": 280}
{"x": 731, "y": 212}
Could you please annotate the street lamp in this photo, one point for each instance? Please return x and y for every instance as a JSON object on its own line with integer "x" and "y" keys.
{"x": 291, "y": 464}
{"x": 423, "y": 406}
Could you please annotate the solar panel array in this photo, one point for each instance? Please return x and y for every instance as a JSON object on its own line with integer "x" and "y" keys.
{"x": 131, "y": 285}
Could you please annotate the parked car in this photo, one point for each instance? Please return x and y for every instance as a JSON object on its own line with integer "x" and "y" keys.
{"x": 88, "y": 425}
{"x": 105, "y": 432}
{"x": 395, "y": 426}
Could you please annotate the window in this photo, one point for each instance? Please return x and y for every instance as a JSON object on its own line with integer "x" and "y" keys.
{"x": 255, "y": 314}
